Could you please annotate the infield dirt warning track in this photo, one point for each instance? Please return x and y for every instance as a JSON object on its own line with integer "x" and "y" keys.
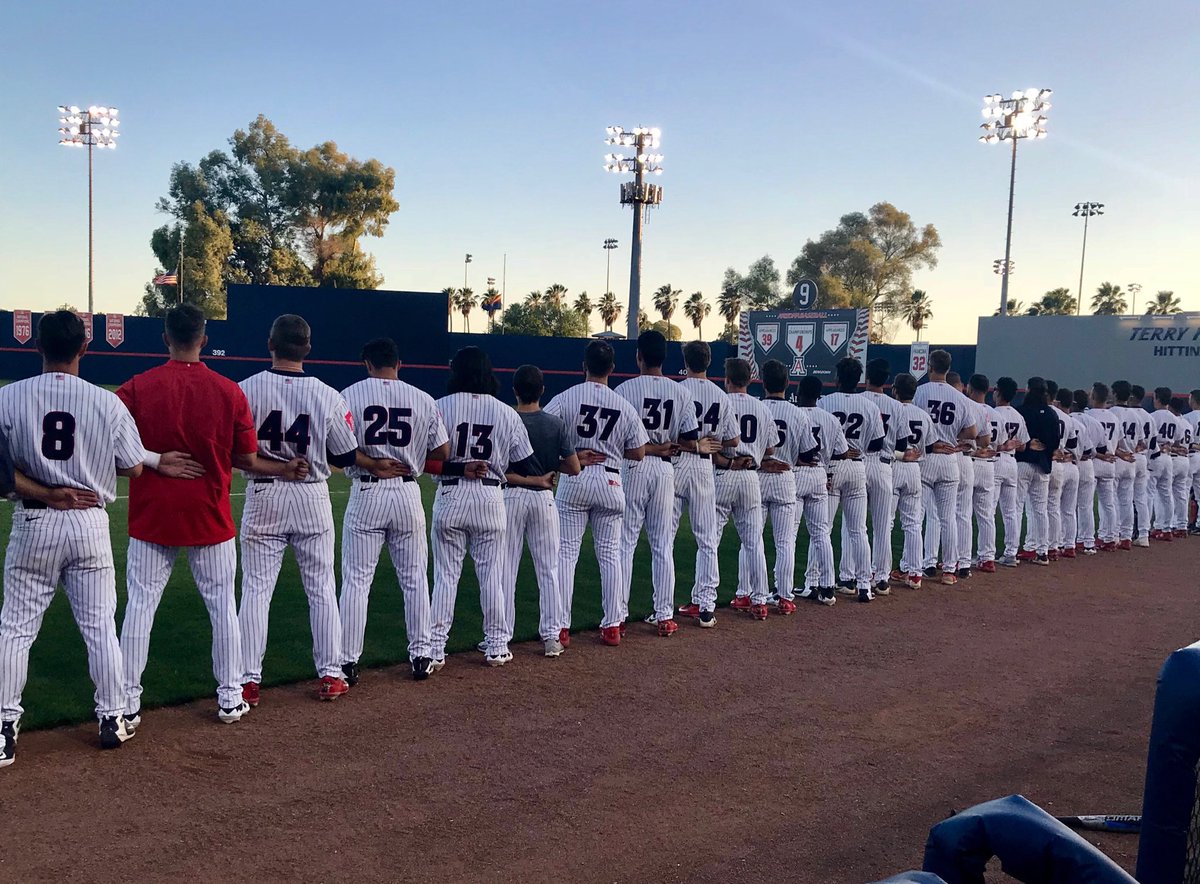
{"x": 814, "y": 748}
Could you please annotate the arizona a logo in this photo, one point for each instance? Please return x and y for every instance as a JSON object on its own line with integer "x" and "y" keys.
{"x": 800, "y": 337}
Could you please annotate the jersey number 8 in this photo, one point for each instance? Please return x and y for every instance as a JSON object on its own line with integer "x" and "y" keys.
{"x": 58, "y": 435}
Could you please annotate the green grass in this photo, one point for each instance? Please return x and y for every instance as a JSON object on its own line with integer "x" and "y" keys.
{"x": 180, "y": 668}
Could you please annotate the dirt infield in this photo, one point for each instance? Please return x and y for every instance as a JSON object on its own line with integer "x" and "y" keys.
{"x": 819, "y": 747}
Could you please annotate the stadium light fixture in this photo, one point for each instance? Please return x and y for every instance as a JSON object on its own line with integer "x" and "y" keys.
{"x": 1086, "y": 211}
{"x": 1000, "y": 267}
{"x": 609, "y": 245}
{"x": 1133, "y": 288}
{"x": 94, "y": 128}
{"x": 1011, "y": 119}
{"x": 637, "y": 194}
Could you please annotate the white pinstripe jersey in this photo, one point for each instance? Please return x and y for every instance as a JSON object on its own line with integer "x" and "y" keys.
{"x": 298, "y": 415}
{"x": 64, "y": 432}
{"x": 1184, "y": 436}
{"x": 394, "y": 419}
{"x": 712, "y": 408}
{"x": 949, "y": 410}
{"x": 1012, "y": 426}
{"x": 1068, "y": 432}
{"x": 756, "y": 427}
{"x": 858, "y": 415}
{"x": 993, "y": 421}
{"x": 794, "y": 431}
{"x": 918, "y": 429}
{"x": 828, "y": 432}
{"x": 666, "y": 408}
{"x": 1130, "y": 426}
{"x": 597, "y": 418}
{"x": 1147, "y": 423}
{"x": 1091, "y": 435}
{"x": 1110, "y": 424}
{"x": 890, "y": 412}
{"x": 1193, "y": 418}
{"x": 481, "y": 427}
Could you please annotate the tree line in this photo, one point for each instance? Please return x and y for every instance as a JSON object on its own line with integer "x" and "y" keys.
{"x": 1109, "y": 300}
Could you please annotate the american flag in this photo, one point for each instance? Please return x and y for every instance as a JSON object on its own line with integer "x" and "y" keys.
{"x": 171, "y": 278}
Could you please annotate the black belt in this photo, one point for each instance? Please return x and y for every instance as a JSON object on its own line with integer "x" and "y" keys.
{"x": 611, "y": 470}
{"x": 262, "y": 481}
{"x": 489, "y": 483}
{"x": 1155, "y": 454}
{"x": 887, "y": 460}
{"x": 504, "y": 486}
{"x": 369, "y": 479}
{"x": 662, "y": 457}
{"x": 33, "y": 504}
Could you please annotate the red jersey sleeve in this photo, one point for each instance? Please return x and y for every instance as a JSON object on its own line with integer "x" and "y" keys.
{"x": 125, "y": 394}
{"x": 245, "y": 438}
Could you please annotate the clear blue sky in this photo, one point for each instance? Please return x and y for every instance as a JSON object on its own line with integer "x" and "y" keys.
{"x": 777, "y": 118}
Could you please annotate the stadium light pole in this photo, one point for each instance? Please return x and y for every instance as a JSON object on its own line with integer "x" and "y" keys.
{"x": 609, "y": 245}
{"x": 465, "y": 263}
{"x": 1133, "y": 288}
{"x": 1011, "y": 119}
{"x": 93, "y": 127}
{"x": 1086, "y": 210}
{"x": 639, "y": 195}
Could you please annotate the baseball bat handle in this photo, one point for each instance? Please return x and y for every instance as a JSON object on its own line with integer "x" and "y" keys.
{"x": 1124, "y": 823}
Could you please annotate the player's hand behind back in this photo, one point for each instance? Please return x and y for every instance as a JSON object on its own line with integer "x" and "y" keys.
{"x": 476, "y": 469}
{"x": 179, "y": 465}
{"x": 708, "y": 445}
{"x": 387, "y": 468}
{"x": 589, "y": 457}
{"x": 296, "y": 470}
{"x": 70, "y": 499}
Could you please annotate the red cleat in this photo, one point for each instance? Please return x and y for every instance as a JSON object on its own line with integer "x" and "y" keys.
{"x": 758, "y": 612}
{"x": 1079, "y": 547}
{"x": 331, "y": 688}
{"x": 667, "y": 628}
{"x": 564, "y": 637}
{"x": 250, "y": 693}
{"x": 1068, "y": 553}
{"x": 785, "y": 607}
{"x": 1026, "y": 555}
{"x": 988, "y": 567}
{"x": 1182, "y": 535}
{"x": 1053, "y": 554}
{"x": 1126, "y": 545}
{"x": 692, "y": 611}
{"x": 740, "y": 603}
{"x": 610, "y": 635}
{"x": 622, "y": 626}
{"x": 914, "y": 581}
{"x": 949, "y": 578}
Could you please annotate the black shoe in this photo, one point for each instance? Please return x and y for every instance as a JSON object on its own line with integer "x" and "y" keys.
{"x": 708, "y": 619}
{"x": 422, "y": 668}
{"x": 1042, "y": 559}
{"x": 846, "y": 584}
{"x": 350, "y": 670}
{"x": 931, "y": 572}
{"x": 8, "y": 742}
{"x": 114, "y": 731}
{"x": 826, "y": 596}
{"x": 883, "y": 588}
{"x": 865, "y": 595}
{"x": 964, "y": 573}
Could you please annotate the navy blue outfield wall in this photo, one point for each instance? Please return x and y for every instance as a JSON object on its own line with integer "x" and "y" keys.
{"x": 342, "y": 320}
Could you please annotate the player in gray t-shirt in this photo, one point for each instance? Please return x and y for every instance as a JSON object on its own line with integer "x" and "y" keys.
{"x": 529, "y": 506}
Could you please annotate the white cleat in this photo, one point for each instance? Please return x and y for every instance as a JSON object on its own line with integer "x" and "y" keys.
{"x": 229, "y": 716}
{"x": 499, "y": 659}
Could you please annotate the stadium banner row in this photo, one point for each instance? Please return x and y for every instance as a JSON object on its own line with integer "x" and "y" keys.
{"x": 808, "y": 342}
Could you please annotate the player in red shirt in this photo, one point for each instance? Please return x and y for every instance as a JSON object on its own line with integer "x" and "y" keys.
{"x": 183, "y": 405}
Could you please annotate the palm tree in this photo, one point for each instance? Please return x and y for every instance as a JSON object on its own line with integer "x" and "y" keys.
{"x": 914, "y": 309}
{"x": 1056, "y": 302}
{"x": 643, "y": 320}
{"x": 1163, "y": 304}
{"x": 1109, "y": 300}
{"x": 729, "y": 305}
{"x": 554, "y": 295}
{"x": 533, "y": 299}
{"x": 1015, "y": 307}
{"x": 451, "y": 294}
{"x": 610, "y": 310}
{"x": 584, "y": 307}
{"x": 696, "y": 308}
{"x": 666, "y": 299}
{"x": 465, "y": 301}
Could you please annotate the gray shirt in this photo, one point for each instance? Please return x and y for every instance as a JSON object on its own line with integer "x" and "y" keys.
{"x": 548, "y": 435}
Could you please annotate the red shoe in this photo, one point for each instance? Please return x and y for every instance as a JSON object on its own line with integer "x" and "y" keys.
{"x": 1026, "y": 555}
{"x": 667, "y": 628}
{"x": 1126, "y": 545}
{"x": 949, "y": 578}
{"x": 740, "y": 603}
{"x": 1105, "y": 546}
{"x": 1053, "y": 554}
{"x": 899, "y": 578}
{"x": 759, "y": 612}
{"x": 914, "y": 581}
{"x": 331, "y": 688}
{"x": 785, "y": 607}
{"x": 1068, "y": 553}
{"x": 610, "y": 635}
{"x": 250, "y": 693}
{"x": 1079, "y": 547}
{"x": 692, "y": 611}
{"x": 1181, "y": 534}
{"x": 622, "y": 626}
{"x": 564, "y": 637}
{"x": 988, "y": 567}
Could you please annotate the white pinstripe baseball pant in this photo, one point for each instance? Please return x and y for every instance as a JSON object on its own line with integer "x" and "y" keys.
{"x": 649, "y": 486}
{"x": 1033, "y": 486}
{"x": 879, "y": 501}
{"x": 469, "y": 515}
{"x": 906, "y": 499}
{"x": 279, "y": 515}
{"x": 848, "y": 490}
{"x": 1106, "y": 495}
{"x": 1162, "y": 474}
{"x": 595, "y": 497}
{"x": 1125, "y": 476}
{"x": 1054, "y": 505}
{"x": 964, "y": 508}
{"x": 983, "y": 500}
{"x": 812, "y": 503}
{"x": 1141, "y": 493}
{"x": 779, "y": 508}
{"x": 739, "y": 496}
{"x": 1008, "y": 503}
{"x": 1085, "y": 505}
{"x": 695, "y": 486}
{"x": 1069, "y": 506}
{"x": 939, "y": 498}
{"x": 378, "y": 512}
{"x": 1181, "y": 486}
{"x": 533, "y": 518}
{"x": 44, "y": 547}
{"x": 214, "y": 569}
{"x": 1194, "y": 466}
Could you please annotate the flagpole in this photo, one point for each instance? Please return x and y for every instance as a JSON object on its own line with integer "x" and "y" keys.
{"x": 181, "y": 264}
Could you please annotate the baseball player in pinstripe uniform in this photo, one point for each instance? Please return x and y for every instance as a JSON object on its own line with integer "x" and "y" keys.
{"x": 1181, "y": 484}
{"x": 669, "y": 416}
{"x": 602, "y": 426}
{"x": 812, "y": 492}
{"x": 469, "y": 513}
{"x": 1034, "y": 466}
{"x": 880, "y": 493}
{"x": 1161, "y": 467}
{"x": 966, "y": 481}
{"x": 796, "y": 449}
{"x": 1193, "y": 418}
{"x": 695, "y": 480}
{"x": 396, "y": 423}
{"x": 532, "y": 515}
{"x": 1091, "y": 440}
{"x": 952, "y": 416}
{"x": 984, "y": 460}
{"x": 69, "y": 440}
{"x": 1129, "y": 425}
{"x": 1058, "y": 473}
{"x": 1012, "y": 436}
{"x": 914, "y": 434}
{"x": 297, "y": 416}
{"x": 184, "y": 405}
{"x": 738, "y": 491}
{"x": 1141, "y": 460}
{"x": 1105, "y": 467}
{"x": 863, "y": 426}
{"x": 1069, "y": 496}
